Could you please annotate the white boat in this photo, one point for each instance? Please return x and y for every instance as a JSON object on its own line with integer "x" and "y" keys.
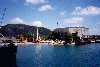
{"x": 71, "y": 43}
{"x": 92, "y": 41}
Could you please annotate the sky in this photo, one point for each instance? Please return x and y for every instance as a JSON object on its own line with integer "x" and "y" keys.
{"x": 47, "y": 13}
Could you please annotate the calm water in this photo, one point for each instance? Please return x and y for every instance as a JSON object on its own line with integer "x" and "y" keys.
{"x": 58, "y": 56}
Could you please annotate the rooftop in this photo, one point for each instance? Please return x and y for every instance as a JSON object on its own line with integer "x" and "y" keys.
{"x": 77, "y": 27}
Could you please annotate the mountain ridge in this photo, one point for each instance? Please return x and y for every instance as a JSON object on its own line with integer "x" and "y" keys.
{"x": 22, "y": 29}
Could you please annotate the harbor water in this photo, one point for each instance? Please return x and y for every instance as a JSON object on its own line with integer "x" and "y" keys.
{"x": 58, "y": 56}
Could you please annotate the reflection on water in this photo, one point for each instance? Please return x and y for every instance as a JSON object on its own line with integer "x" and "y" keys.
{"x": 58, "y": 56}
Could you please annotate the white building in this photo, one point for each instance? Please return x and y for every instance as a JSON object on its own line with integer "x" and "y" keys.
{"x": 82, "y": 31}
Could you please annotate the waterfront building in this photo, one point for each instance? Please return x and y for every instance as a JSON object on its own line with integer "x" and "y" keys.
{"x": 82, "y": 31}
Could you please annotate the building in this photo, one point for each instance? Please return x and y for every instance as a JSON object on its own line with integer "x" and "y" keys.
{"x": 82, "y": 31}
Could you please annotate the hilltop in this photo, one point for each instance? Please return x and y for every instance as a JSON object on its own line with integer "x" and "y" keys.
{"x": 22, "y": 29}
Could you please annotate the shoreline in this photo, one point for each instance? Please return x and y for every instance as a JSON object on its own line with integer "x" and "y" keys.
{"x": 30, "y": 43}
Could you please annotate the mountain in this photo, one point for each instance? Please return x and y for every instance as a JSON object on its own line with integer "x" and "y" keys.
{"x": 22, "y": 29}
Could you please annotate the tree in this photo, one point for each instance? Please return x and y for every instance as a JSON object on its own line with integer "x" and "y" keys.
{"x": 67, "y": 37}
{"x": 76, "y": 38}
{"x": 56, "y": 35}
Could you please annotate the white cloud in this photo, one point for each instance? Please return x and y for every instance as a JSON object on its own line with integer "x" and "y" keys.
{"x": 35, "y": 1}
{"x": 37, "y": 23}
{"x": 62, "y": 13}
{"x": 73, "y": 20}
{"x": 91, "y": 10}
{"x": 45, "y": 8}
{"x": 17, "y": 20}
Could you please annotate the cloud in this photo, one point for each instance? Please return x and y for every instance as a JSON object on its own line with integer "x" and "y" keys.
{"x": 73, "y": 20}
{"x": 17, "y": 20}
{"x": 37, "y": 23}
{"x": 62, "y": 13}
{"x": 45, "y": 8}
{"x": 35, "y": 1}
{"x": 91, "y": 10}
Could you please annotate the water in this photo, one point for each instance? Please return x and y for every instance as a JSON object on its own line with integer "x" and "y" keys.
{"x": 58, "y": 56}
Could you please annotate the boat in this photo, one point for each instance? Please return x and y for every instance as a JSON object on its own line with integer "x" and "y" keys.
{"x": 97, "y": 41}
{"x": 92, "y": 41}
